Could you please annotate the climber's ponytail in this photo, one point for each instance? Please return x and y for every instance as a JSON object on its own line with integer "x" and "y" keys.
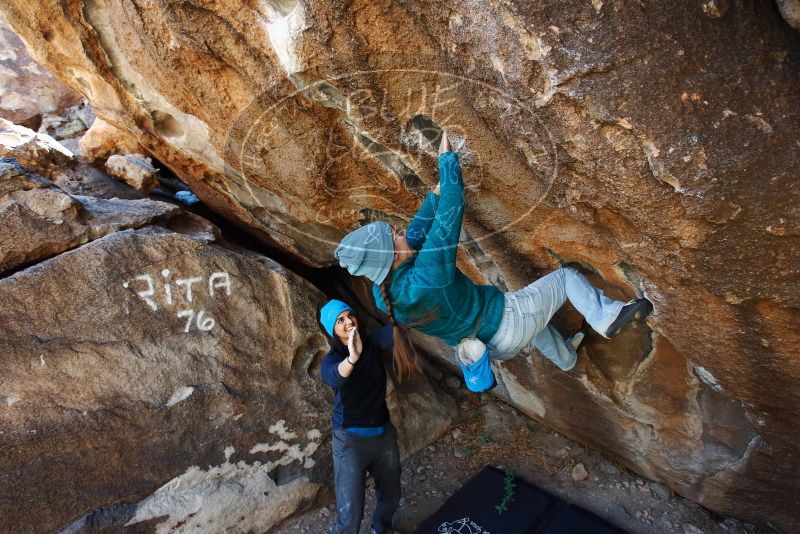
{"x": 406, "y": 360}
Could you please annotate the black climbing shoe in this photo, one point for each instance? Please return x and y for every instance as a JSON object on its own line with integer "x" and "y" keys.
{"x": 635, "y": 310}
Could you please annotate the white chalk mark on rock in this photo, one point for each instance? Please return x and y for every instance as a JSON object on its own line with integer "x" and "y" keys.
{"x": 149, "y": 292}
{"x": 203, "y": 323}
{"x": 190, "y": 315}
{"x": 188, "y": 283}
{"x": 167, "y": 286}
{"x": 283, "y": 29}
{"x": 180, "y": 394}
{"x": 280, "y": 429}
{"x": 218, "y": 280}
{"x": 707, "y": 377}
{"x": 233, "y": 497}
{"x": 292, "y": 451}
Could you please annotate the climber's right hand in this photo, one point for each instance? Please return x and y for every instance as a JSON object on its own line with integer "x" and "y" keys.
{"x": 444, "y": 146}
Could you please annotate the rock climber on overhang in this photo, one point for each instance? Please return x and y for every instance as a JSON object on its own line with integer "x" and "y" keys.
{"x": 417, "y": 284}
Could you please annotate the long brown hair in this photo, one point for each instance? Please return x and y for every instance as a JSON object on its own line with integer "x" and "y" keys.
{"x": 406, "y": 361}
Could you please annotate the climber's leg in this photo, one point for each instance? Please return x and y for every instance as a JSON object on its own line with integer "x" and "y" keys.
{"x": 514, "y": 332}
{"x": 635, "y": 310}
{"x": 555, "y": 348}
{"x": 599, "y": 310}
{"x": 522, "y": 325}
{"x": 547, "y": 294}
{"x": 528, "y": 311}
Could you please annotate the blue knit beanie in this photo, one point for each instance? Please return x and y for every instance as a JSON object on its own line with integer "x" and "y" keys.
{"x": 330, "y": 312}
{"x": 368, "y": 251}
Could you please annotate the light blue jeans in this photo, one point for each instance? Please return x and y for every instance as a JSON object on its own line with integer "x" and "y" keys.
{"x": 527, "y": 314}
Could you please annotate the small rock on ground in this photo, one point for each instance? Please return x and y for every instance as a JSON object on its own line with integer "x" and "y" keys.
{"x": 579, "y": 473}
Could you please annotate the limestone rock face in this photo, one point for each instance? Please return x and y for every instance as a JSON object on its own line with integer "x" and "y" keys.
{"x": 135, "y": 170}
{"x": 631, "y": 138}
{"x": 39, "y": 220}
{"x": 28, "y": 91}
{"x": 69, "y": 126}
{"x": 156, "y": 373}
{"x": 42, "y": 154}
{"x": 155, "y": 376}
{"x": 103, "y": 140}
{"x": 790, "y": 9}
{"x": 38, "y": 152}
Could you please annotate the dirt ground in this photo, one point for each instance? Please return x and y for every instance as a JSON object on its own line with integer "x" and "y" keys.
{"x": 491, "y": 432}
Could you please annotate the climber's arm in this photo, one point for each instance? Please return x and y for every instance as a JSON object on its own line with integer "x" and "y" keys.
{"x": 436, "y": 263}
{"x": 421, "y": 224}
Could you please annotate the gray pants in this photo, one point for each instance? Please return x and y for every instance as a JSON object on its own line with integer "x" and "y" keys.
{"x": 527, "y": 314}
{"x": 353, "y": 458}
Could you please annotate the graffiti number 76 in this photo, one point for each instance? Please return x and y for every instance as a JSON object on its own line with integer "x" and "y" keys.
{"x": 203, "y": 323}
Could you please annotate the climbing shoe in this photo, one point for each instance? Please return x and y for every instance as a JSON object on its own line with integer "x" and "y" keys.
{"x": 634, "y": 310}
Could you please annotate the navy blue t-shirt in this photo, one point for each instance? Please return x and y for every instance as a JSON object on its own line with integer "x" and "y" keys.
{"x": 360, "y": 399}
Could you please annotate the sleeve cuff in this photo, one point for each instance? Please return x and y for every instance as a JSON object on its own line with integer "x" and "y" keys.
{"x": 448, "y": 156}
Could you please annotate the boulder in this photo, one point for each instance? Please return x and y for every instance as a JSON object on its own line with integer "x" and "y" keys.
{"x": 35, "y": 151}
{"x": 135, "y": 170}
{"x": 179, "y": 380}
{"x": 44, "y": 155}
{"x": 420, "y": 409}
{"x": 156, "y": 372}
{"x": 579, "y": 473}
{"x": 103, "y": 140}
{"x": 39, "y": 220}
{"x": 72, "y": 123}
{"x": 28, "y": 91}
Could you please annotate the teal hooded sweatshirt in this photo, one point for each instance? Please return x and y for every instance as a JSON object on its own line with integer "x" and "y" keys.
{"x": 429, "y": 284}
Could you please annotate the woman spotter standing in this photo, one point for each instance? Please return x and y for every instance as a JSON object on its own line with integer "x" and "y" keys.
{"x": 415, "y": 277}
{"x": 364, "y": 440}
